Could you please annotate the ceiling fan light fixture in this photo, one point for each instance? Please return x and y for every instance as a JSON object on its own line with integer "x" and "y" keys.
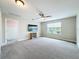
{"x": 19, "y": 2}
{"x": 42, "y": 18}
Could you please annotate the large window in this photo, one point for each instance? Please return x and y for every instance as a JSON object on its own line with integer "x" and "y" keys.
{"x": 54, "y": 28}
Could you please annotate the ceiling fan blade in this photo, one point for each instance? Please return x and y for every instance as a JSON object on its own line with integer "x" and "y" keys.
{"x": 41, "y": 14}
{"x": 48, "y": 16}
{"x": 36, "y": 18}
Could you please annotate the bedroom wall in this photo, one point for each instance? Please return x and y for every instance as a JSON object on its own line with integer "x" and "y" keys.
{"x": 4, "y": 18}
{"x": 68, "y": 29}
{"x": 22, "y": 27}
{"x": 77, "y": 29}
{"x": 0, "y": 28}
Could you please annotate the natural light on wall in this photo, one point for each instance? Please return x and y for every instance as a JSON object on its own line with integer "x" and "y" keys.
{"x": 54, "y": 28}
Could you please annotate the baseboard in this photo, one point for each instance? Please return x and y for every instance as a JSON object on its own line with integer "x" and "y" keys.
{"x": 3, "y": 44}
{"x": 70, "y": 41}
{"x": 64, "y": 40}
{"x": 21, "y": 39}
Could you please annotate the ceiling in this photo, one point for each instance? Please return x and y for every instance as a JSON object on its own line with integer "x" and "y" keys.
{"x": 56, "y": 8}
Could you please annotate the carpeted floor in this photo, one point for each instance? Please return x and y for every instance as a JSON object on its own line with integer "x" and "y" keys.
{"x": 40, "y": 48}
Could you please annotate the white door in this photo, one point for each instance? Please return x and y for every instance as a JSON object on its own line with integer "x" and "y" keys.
{"x": 11, "y": 30}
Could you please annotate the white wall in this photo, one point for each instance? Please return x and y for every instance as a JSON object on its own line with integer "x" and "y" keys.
{"x": 22, "y": 26}
{"x": 68, "y": 30}
{"x": 0, "y": 28}
{"x": 77, "y": 29}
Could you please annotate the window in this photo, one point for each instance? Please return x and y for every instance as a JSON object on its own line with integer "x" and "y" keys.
{"x": 54, "y": 28}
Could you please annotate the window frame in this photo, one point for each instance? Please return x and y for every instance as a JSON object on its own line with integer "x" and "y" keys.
{"x": 53, "y": 27}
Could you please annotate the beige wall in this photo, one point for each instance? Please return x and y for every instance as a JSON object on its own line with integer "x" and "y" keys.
{"x": 68, "y": 29}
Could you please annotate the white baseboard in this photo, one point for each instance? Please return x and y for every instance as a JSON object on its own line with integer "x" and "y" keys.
{"x": 21, "y": 39}
{"x": 3, "y": 44}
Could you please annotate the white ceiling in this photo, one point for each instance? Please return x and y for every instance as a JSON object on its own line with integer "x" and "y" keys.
{"x": 56, "y": 8}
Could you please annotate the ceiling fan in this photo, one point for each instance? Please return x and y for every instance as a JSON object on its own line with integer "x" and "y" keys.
{"x": 42, "y": 15}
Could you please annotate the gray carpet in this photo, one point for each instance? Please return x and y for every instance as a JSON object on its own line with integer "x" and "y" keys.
{"x": 40, "y": 48}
